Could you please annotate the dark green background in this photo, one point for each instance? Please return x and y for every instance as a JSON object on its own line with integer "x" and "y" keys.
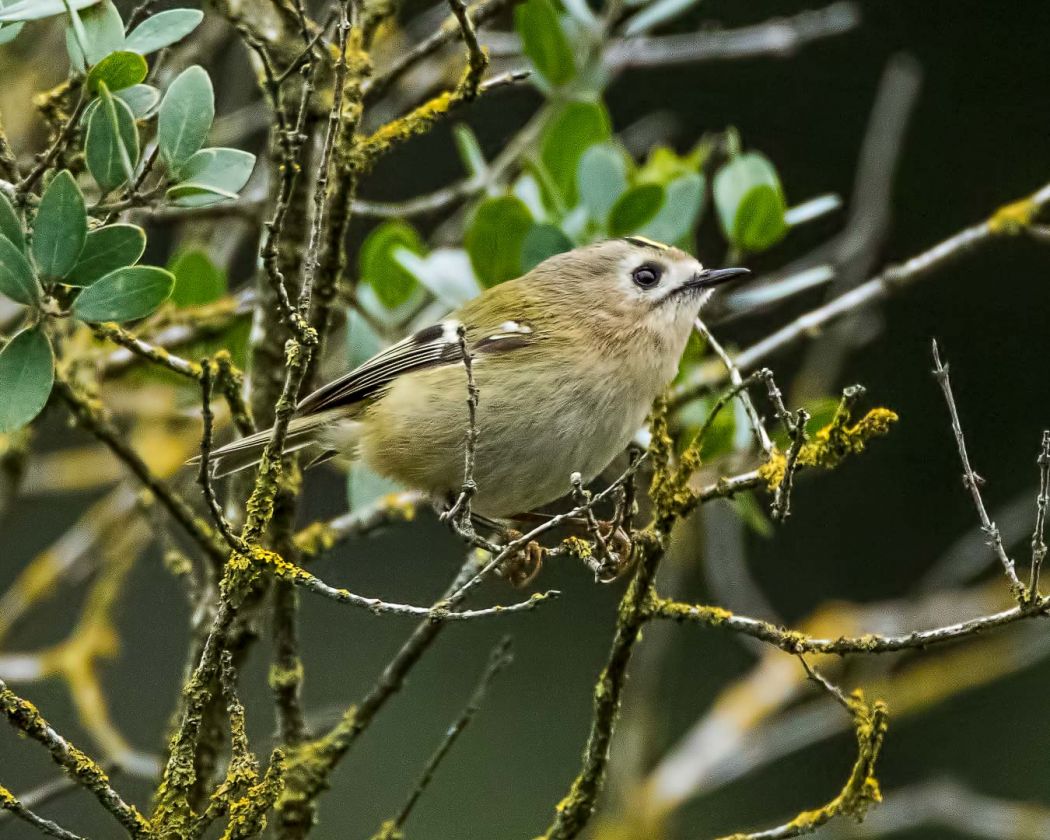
{"x": 979, "y": 137}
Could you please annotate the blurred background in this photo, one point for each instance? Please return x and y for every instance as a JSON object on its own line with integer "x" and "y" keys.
{"x": 721, "y": 735}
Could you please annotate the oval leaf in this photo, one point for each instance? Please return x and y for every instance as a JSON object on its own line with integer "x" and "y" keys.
{"x": 495, "y": 239}
{"x": 37, "y": 9}
{"x": 27, "y": 372}
{"x": 197, "y": 279}
{"x": 680, "y": 212}
{"x": 101, "y": 32}
{"x": 141, "y": 99}
{"x": 16, "y": 275}
{"x": 600, "y": 180}
{"x": 212, "y": 175}
{"x": 750, "y": 202}
{"x": 125, "y": 294}
{"x": 112, "y": 144}
{"x": 185, "y": 117}
{"x": 544, "y": 41}
{"x": 117, "y": 71}
{"x": 577, "y": 127}
{"x": 60, "y": 227}
{"x": 541, "y": 242}
{"x": 9, "y": 224}
{"x": 163, "y": 30}
{"x": 635, "y": 208}
{"x": 392, "y": 282}
{"x": 105, "y": 250}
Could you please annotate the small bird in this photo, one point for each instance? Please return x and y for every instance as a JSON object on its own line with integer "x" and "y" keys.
{"x": 567, "y": 360}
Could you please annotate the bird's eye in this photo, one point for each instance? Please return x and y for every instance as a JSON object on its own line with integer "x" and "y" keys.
{"x": 646, "y": 276}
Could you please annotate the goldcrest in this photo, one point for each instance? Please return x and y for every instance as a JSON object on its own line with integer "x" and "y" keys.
{"x": 567, "y": 359}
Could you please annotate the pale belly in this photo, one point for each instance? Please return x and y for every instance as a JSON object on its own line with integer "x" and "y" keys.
{"x": 528, "y": 446}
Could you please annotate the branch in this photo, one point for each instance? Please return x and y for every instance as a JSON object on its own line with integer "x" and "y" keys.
{"x": 10, "y": 803}
{"x": 972, "y": 481}
{"x": 499, "y": 659}
{"x": 1038, "y": 542}
{"x": 24, "y": 717}
{"x": 143, "y": 349}
{"x": 1007, "y": 221}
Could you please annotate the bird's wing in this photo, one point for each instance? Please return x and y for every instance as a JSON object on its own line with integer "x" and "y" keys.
{"x": 431, "y": 346}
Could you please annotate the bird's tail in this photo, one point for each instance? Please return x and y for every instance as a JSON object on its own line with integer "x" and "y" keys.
{"x": 303, "y": 432}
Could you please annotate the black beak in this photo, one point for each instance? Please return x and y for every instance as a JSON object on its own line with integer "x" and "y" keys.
{"x": 711, "y": 277}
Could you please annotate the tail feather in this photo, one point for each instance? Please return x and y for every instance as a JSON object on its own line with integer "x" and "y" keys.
{"x": 246, "y": 452}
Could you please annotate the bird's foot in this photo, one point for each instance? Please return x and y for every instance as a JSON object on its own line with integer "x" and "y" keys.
{"x": 521, "y": 567}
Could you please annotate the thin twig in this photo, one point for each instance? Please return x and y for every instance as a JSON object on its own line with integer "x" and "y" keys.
{"x": 499, "y": 659}
{"x": 781, "y": 507}
{"x": 10, "y": 804}
{"x": 973, "y": 482}
{"x": 207, "y": 376}
{"x": 143, "y": 349}
{"x": 459, "y": 513}
{"x": 1038, "y": 542}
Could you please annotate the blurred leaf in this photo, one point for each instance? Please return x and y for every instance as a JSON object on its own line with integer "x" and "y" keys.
{"x": 125, "y": 294}
{"x": 111, "y": 149}
{"x": 10, "y": 32}
{"x": 445, "y": 273}
{"x": 362, "y": 341}
{"x": 117, "y": 71}
{"x": 750, "y": 202}
{"x": 101, "y": 30}
{"x": 821, "y": 412}
{"x": 655, "y": 14}
{"x": 60, "y": 227}
{"x": 185, "y": 116}
{"x": 106, "y": 249}
{"x": 37, "y": 9}
{"x": 27, "y": 372}
{"x": 377, "y": 265}
{"x": 363, "y": 487}
{"x": 601, "y": 179}
{"x": 211, "y": 176}
{"x": 752, "y": 514}
{"x": 635, "y": 208}
{"x": 163, "y": 30}
{"x": 197, "y": 279}
{"x": 16, "y": 275}
{"x": 664, "y": 165}
{"x": 544, "y": 42}
{"x": 9, "y": 224}
{"x": 680, "y": 212}
{"x": 495, "y": 238}
{"x": 469, "y": 150}
{"x": 527, "y": 188}
{"x": 577, "y": 127}
{"x": 543, "y": 241}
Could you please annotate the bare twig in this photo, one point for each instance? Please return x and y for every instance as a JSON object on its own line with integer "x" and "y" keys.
{"x": 1038, "y": 542}
{"x": 10, "y": 804}
{"x": 973, "y": 482}
{"x": 459, "y": 513}
{"x": 781, "y": 508}
{"x": 207, "y": 376}
{"x": 499, "y": 659}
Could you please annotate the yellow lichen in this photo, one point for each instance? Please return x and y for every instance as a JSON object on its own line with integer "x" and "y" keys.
{"x": 1014, "y": 217}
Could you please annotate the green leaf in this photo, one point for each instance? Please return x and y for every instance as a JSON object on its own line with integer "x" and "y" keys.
{"x": 10, "y": 32}
{"x": 185, "y": 117}
{"x": 37, "y": 9}
{"x": 125, "y": 294}
{"x": 469, "y": 150}
{"x": 750, "y": 202}
{"x": 141, "y": 99}
{"x": 197, "y": 279}
{"x": 680, "y": 212}
{"x": 601, "y": 179}
{"x": 392, "y": 282}
{"x": 117, "y": 71}
{"x": 635, "y": 208}
{"x": 16, "y": 275}
{"x": 544, "y": 41}
{"x": 106, "y": 249}
{"x": 101, "y": 32}
{"x": 10, "y": 226}
{"x": 496, "y": 237}
{"x": 542, "y": 241}
{"x": 112, "y": 145}
{"x": 27, "y": 372}
{"x": 663, "y": 164}
{"x": 60, "y": 227}
{"x": 577, "y": 127}
{"x": 162, "y": 30}
{"x": 212, "y": 175}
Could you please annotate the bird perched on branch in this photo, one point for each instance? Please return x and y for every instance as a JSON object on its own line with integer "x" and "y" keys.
{"x": 567, "y": 361}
